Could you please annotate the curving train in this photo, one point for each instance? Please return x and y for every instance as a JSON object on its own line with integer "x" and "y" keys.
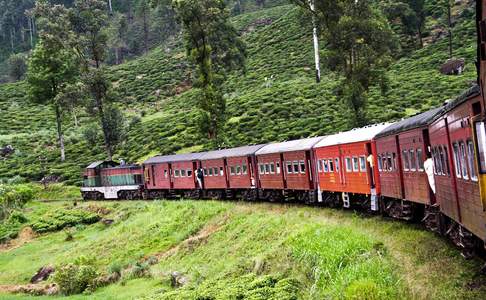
{"x": 429, "y": 167}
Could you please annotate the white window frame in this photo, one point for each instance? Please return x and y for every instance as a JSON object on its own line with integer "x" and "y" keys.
{"x": 325, "y": 166}
{"x": 349, "y": 165}
{"x": 355, "y": 164}
{"x": 362, "y": 163}
{"x": 471, "y": 160}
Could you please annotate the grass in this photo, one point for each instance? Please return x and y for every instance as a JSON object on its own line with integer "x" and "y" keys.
{"x": 251, "y": 249}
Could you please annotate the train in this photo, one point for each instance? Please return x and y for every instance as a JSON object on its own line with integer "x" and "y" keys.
{"x": 380, "y": 168}
{"x": 430, "y": 167}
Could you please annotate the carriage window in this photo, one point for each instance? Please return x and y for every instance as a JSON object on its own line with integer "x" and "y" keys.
{"x": 480, "y": 129}
{"x": 245, "y": 169}
{"x": 302, "y": 166}
{"x": 447, "y": 166}
{"x": 189, "y": 173}
{"x": 331, "y": 166}
{"x": 470, "y": 157}
{"x": 336, "y": 162}
{"x": 443, "y": 164}
{"x": 413, "y": 161}
{"x": 349, "y": 167}
{"x": 238, "y": 170}
{"x": 221, "y": 172}
{"x": 325, "y": 166}
{"x": 205, "y": 171}
{"x": 262, "y": 169}
{"x": 296, "y": 167}
{"x": 380, "y": 163}
{"x": 362, "y": 164}
{"x": 210, "y": 170}
{"x": 394, "y": 162}
{"x": 277, "y": 165}
{"x": 289, "y": 167}
{"x": 420, "y": 160}
{"x": 355, "y": 164}
{"x": 176, "y": 173}
{"x": 232, "y": 170}
{"x": 272, "y": 168}
{"x": 319, "y": 165}
{"x": 165, "y": 173}
{"x": 267, "y": 169}
{"x": 456, "y": 160}
{"x": 183, "y": 173}
{"x": 389, "y": 162}
{"x": 384, "y": 162}
{"x": 406, "y": 162}
{"x": 216, "y": 171}
{"x": 463, "y": 160}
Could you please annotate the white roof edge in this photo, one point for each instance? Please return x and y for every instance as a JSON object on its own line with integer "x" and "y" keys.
{"x": 355, "y": 135}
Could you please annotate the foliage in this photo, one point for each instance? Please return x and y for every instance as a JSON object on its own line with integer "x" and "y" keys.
{"x": 13, "y": 197}
{"x": 75, "y": 278}
{"x": 359, "y": 45}
{"x": 17, "y": 66}
{"x": 213, "y": 45}
{"x": 62, "y": 218}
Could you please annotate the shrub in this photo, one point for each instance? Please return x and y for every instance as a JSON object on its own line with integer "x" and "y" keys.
{"x": 62, "y": 218}
{"x": 14, "y": 197}
{"x": 74, "y": 278}
{"x": 363, "y": 290}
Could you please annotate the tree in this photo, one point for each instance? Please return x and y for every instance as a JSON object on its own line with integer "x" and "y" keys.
{"x": 412, "y": 17}
{"x": 143, "y": 11}
{"x": 115, "y": 127}
{"x": 50, "y": 68}
{"x": 17, "y": 66}
{"x": 117, "y": 33}
{"x": 359, "y": 42}
{"x": 214, "y": 47}
{"x": 52, "y": 65}
{"x": 89, "y": 19}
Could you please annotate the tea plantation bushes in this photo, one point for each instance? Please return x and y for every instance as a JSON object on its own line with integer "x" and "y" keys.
{"x": 268, "y": 287}
{"x": 75, "y": 278}
{"x": 61, "y": 218}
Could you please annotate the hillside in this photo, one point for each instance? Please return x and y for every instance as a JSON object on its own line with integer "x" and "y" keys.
{"x": 225, "y": 250}
{"x": 277, "y": 99}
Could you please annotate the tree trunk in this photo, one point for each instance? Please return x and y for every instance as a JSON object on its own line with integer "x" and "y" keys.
{"x": 450, "y": 28}
{"x": 111, "y": 7}
{"x": 421, "y": 41}
{"x": 31, "y": 27}
{"x": 145, "y": 31}
{"x": 316, "y": 43}
{"x": 60, "y": 135}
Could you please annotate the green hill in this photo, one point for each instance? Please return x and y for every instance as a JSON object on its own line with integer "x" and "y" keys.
{"x": 226, "y": 250}
{"x": 277, "y": 98}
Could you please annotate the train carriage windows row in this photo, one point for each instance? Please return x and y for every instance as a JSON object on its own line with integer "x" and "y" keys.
{"x": 328, "y": 165}
{"x": 464, "y": 160}
{"x": 387, "y": 162}
{"x": 179, "y": 173}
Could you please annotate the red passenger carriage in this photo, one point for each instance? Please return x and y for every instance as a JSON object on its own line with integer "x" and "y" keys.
{"x": 345, "y": 165}
{"x": 229, "y": 173}
{"x": 456, "y": 174}
{"x": 286, "y": 170}
{"x": 401, "y": 151}
{"x": 170, "y": 175}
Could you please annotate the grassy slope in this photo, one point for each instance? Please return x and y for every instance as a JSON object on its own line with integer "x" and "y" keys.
{"x": 286, "y": 105}
{"x": 328, "y": 253}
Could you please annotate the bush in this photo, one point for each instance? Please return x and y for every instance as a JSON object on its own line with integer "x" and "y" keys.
{"x": 62, "y": 218}
{"x": 14, "y": 197}
{"x": 75, "y": 278}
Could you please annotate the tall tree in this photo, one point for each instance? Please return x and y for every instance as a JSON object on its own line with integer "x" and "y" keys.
{"x": 214, "y": 47}
{"x": 411, "y": 14}
{"x": 143, "y": 12}
{"x": 52, "y": 65}
{"x": 359, "y": 41}
{"x": 90, "y": 19}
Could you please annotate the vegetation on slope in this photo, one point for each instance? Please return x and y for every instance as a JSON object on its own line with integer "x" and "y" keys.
{"x": 226, "y": 250}
{"x": 277, "y": 99}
